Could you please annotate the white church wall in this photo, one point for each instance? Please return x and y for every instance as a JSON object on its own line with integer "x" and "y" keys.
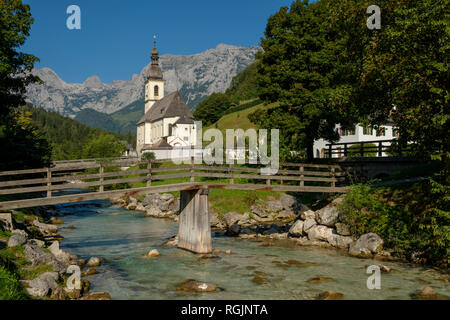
{"x": 147, "y": 132}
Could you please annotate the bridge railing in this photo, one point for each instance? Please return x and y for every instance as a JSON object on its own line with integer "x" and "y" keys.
{"x": 106, "y": 176}
{"x": 375, "y": 148}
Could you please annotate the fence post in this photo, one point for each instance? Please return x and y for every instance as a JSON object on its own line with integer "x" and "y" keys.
{"x": 302, "y": 176}
{"x": 361, "y": 149}
{"x": 345, "y": 150}
{"x": 330, "y": 151}
{"x": 399, "y": 149}
{"x": 49, "y": 182}
{"x": 192, "y": 169}
{"x": 333, "y": 183}
{"x": 281, "y": 181}
{"x": 380, "y": 149}
{"x": 101, "y": 171}
{"x": 232, "y": 175}
{"x": 149, "y": 173}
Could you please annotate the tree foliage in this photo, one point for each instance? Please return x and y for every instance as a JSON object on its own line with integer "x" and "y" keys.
{"x": 242, "y": 94}
{"x": 15, "y": 66}
{"x": 402, "y": 69}
{"x": 212, "y": 108}
{"x": 300, "y": 69}
{"x": 23, "y": 145}
{"x": 325, "y": 66}
{"x": 103, "y": 145}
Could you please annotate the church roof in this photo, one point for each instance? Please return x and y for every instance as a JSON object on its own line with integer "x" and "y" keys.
{"x": 160, "y": 144}
{"x": 185, "y": 120}
{"x": 170, "y": 106}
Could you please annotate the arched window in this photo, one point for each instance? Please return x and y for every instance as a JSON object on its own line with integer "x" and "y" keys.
{"x": 156, "y": 91}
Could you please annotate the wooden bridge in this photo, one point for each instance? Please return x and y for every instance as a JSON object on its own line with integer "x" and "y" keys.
{"x": 99, "y": 179}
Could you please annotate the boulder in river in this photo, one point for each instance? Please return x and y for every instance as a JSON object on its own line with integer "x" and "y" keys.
{"x": 327, "y": 216}
{"x": 321, "y": 233}
{"x": 72, "y": 293}
{"x": 234, "y": 230}
{"x": 153, "y": 253}
{"x": 89, "y": 272}
{"x": 55, "y": 220}
{"x": 97, "y": 296}
{"x": 231, "y": 218}
{"x": 317, "y": 280}
{"x": 60, "y": 254}
{"x": 308, "y": 224}
{"x": 366, "y": 245}
{"x": 45, "y": 229}
{"x": 196, "y": 286}
{"x": 330, "y": 295}
{"x": 41, "y": 286}
{"x": 37, "y": 256}
{"x": 258, "y": 210}
{"x": 339, "y": 241}
{"x": 342, "y": 229}
{"x": 94, "y": 262}
{"x": 58, "y": 294}
{"x": 297, "y": 229}
{"x": 309, "y": 214}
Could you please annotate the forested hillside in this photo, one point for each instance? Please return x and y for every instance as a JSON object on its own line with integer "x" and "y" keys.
{"x": 243, "y": 93}
{"x": 122, "y": 121}
{"x": 68, "y": 138}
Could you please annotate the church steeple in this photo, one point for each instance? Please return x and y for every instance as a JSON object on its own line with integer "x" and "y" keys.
{"x": 154, "y": 86}
{"x": 155, "y": 54}
{"x": 155, "y": 71}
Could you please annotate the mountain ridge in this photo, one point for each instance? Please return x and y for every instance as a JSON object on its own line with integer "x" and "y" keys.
{"x": 195, "y": 76}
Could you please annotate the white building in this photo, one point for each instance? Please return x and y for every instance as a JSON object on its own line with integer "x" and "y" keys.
{"x": 359, "y": 134}
{"x": 167, "y": 123}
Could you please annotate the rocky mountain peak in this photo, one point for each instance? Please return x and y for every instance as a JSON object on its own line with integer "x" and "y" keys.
{"x": 195, "y": 76}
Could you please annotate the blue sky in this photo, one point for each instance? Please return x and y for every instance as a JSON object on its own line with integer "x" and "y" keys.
{"x": 116, "y": 36}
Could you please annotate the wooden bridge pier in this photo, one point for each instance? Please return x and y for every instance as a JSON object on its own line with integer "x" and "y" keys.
{"x": 194, "y": 230}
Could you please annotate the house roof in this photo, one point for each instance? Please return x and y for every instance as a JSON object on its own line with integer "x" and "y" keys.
{"x": 170, "y": 106}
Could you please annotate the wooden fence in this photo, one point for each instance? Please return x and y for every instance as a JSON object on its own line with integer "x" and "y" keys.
{"x": 151, "y": 176}
{"x": 376, "y": 148}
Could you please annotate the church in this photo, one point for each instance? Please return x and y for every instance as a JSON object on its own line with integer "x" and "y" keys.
{"x": 168, "y": 123}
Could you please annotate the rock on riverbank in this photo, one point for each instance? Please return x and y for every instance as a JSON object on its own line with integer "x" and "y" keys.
{"x": 286, "y": 218}
{"x": 42, "y": 251}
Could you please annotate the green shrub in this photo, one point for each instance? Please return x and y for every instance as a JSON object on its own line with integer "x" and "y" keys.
{"x": 10, "y": 287}
{"x": 410, "y": 218}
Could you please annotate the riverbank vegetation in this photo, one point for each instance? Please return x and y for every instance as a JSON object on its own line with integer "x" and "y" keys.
{"x": 14, "y": 266}
{"x": 413, "y": 219}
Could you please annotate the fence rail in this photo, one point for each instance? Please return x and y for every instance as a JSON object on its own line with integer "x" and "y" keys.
{"x": 37, "y": 184}
{"x": 376, "y": 148}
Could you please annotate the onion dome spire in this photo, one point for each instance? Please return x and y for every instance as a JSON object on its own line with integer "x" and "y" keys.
{"x": 154, "y": 72}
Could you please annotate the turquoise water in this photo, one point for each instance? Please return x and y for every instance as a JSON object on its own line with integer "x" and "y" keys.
{"x": 123, "y": 237}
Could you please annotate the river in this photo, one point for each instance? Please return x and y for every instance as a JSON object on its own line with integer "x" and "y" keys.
{"x": 252, "y": 271}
